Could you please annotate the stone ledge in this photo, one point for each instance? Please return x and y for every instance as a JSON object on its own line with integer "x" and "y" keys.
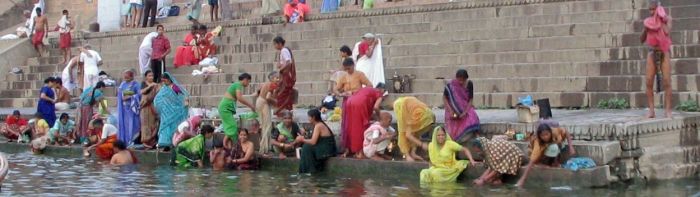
{"x": 602, "y": 152}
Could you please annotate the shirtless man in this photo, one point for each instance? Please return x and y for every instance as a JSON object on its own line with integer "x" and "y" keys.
{"x": 41, "y": 25}
{"x": 121, "y": 156}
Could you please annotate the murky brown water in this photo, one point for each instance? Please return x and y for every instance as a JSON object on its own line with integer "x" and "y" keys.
{"x": 38, "y": 175}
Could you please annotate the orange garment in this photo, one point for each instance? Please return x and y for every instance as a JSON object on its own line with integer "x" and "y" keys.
{"x": 537, "y": 149}
{"x": 104, "y": 151}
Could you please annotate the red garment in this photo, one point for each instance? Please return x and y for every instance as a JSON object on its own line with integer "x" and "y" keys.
{"x": 38, "y": 37}
{"x": 160, "y": 45}
{"x": 362, "y": 48}
{"x": 300, "y": 8}
{"x": 657, "y": 32}
{"x": 64, "y": 41}
{"x": 12, "y": 120}
{"x": 206, "y": 46}
{"x": 184, "y": 55}
{"x": 286, "y": 95}
{"x": 104, "y": 151}
{"x": 358, "y": 109}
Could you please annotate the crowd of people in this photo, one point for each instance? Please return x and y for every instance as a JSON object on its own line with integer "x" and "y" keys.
{"x": 153, "y": 114}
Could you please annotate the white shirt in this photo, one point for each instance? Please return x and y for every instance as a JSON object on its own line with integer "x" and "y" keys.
{"x": 285, "y": 56}
{"x": 90, "y": 63}
{"x": 184, "y": 127}
{"x": 148, "y": 40}
{"x": 108, "y": 130}
{"x": 135, "y": 1}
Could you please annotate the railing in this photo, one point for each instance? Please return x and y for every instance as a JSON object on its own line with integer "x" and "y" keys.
{"x": 4, "y": 167}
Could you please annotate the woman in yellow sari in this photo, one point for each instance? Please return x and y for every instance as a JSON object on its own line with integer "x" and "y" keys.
{"x": 413, "y": 119}
{"x": 444, "y": 167}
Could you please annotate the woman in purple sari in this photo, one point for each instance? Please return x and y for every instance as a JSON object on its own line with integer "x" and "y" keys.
{"x": 460, "y": 115}
{"x": 128, "y": 98}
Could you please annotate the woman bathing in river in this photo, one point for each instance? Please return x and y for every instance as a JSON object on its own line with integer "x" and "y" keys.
{"x": 442, "y": 151}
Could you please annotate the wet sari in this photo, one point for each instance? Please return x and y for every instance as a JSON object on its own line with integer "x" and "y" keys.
{"x": 313, "y": 157}
{"x": 413, "y": 118}
{"x": 459, "y": 100}
{"x": 286, "y": 94}
{"x": 105, "y": 150}
{"x": 129, "y": 111}
{"x": 657, "y": 32}
{"x": 444, "y": 165}
{"x": 358, "y": 108}
{"x": 189, "y": 151}
{"x": 149, "y": 118}
{"x": 238, "y": 153}
{"x": 170, "y": 105}
{"x": 227, "y": 108}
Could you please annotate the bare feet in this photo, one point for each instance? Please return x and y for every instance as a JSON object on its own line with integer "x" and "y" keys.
{"x": 669, "y": 114}
{"x": 478, "y": 182}
{"x": 409, "y": 158}
{"x": 345, "y": 154}
{"x": 651, "y": 114}
{"x": 282, "y": 156}
{"x": 497, "y": 182}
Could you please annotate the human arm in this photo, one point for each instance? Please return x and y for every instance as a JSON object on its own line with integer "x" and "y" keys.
{"x": 147, "y": 89}
{"x": 522, "y": 179}
{"x": 285, "y": 60}
{"x": 239, "y": 98}
{"x": 377, "y": 105}
{"x": 314, "y": 137}
{"x": 569, "y": 138}
{"x": 469, "y": 155}
{"x": 46, "y": 27}
{"x": 365, "y": 82}
{"x": 416, "y": 141}
{"x": 247, "y": 157}
{"x": 47, "y": 98}
{"x": 370, "y": 49}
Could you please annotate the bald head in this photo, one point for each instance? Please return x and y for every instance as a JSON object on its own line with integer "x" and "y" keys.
{"x": 385, "y": 119}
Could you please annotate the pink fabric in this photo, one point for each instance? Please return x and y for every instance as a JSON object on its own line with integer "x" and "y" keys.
{"x": 458, "y": 98}
{"x": 657, "y": 35}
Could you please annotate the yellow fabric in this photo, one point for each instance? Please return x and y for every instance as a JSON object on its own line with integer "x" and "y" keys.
{"x": 537, "y": 149}
{"x": 444, "y": 165}
{"x": 42, "y": 124}
{"x": 412, "y": 117}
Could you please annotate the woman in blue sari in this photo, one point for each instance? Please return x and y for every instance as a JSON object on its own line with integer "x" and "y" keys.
{"x": 47, "y": 100}
{"x": 329, "y": 6}
{"x": 171, "y": 105}
{"x": 128, "y": 98}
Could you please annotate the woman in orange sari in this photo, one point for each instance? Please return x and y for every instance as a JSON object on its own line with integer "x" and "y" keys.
{"x": 185, "y": 54}
{"x": 104, "y": 148}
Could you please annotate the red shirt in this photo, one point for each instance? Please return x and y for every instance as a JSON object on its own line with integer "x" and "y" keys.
{"x": 362, "y": 48}
{"x": 160, "y": 45}
{"x": 12, "y": 120}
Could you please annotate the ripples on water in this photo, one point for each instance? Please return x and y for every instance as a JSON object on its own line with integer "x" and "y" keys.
{"x": 37, "y": 175}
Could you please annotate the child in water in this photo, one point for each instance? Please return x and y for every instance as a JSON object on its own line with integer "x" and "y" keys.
{"x": 217, "y": 157}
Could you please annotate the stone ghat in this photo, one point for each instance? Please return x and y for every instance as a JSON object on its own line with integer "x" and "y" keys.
{"x": 539, "y": 177}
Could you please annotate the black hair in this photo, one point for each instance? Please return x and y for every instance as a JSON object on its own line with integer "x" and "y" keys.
{"x": 195, "y": 27}
{"x": 119, "y": 145}
{"x": 315, "y": 114}
{"x": 380, "y": 85}
{"x": 543, "y": 128}
{"x": 160, "y": 26}
{"x": 461, "y": 73}
{"x": 16, "y": 112}
{"x": 217, "y": 142}
{"x": 278, "y": 40}
{"x": 205, "y": 129}
{"x": 98, "y": 86}
{"x": 241, "y": 130}
{"x": 38, "y": 11}
{"x": 143, "y": 84}
{"x": 244, "y": 76}
{"x": 39, "y": 115}
{"x": 202, "y": 27}
{"x": 348, "y": 62}
{"x": 273, "y": 73}
{"x": 65, "y": 12}
{"x": 50, "y": 79}
{"x": 64, "y": 115}
{"x": 59, "y": 81}
{"x": 97, "y": 122}
{"x": 345, "y": 49}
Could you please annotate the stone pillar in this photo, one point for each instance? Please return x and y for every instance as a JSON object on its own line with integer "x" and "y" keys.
{"x": 107, "y": 16}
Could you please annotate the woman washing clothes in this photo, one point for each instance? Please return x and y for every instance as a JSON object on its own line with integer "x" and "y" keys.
{"x": 501, "y": 157}
{"x": 227, "y": 108}
{"x": 444, "y": 167}
{"x": 545, "y": 148}
{"x": 242, "y": 156}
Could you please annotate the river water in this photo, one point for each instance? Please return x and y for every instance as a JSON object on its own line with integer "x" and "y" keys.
{"x": 38, "y": 175}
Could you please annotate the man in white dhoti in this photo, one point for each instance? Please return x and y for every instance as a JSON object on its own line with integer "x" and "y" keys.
{"x": 68, "y": 75}
{"x": 89, "y": 60}
{"x": 145, "y": 51}
{"x": 368, "y": 55}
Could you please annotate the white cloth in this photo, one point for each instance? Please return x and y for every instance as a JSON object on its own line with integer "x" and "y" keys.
{"x": 372, "y": 67}
{"x": 135, "y": 1}
{"x": 148, "y": 40}
{"x": 108, "y": 130}
{"x": 62, "y": 106}
{"x": 372, "y": 134}
{"x": 145, "y": 51}
{"x": 90, "y": 76}
{"x": 183, "y": 127}
{"x": 285, "y": 55}
{"x": 63, "y": 24}
{"x": 9, "y": 37}
{"x": 68, "y": 82}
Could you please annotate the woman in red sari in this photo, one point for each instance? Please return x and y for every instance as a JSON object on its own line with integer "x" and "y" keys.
{"x": 286, "y": 94}
{"x": 205, "y": 45}
{"x": 185, "y": 54}
{"x": 360, "y": 106}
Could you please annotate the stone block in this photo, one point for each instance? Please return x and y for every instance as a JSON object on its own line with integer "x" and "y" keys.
{"x": 602, "y": 152}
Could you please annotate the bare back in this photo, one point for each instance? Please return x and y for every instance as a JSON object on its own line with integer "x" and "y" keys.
{"x": 122, "y": 158}
{"x": 40, "y": 22}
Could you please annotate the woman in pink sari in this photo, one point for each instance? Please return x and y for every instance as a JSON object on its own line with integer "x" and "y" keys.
{"x": 460, "y": 115}
{"x": 185, "y": 54}
{"x": 360, "y": 107}
{"x": 656, "y": 35}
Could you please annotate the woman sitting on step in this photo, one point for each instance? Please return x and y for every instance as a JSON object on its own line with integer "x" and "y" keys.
{"x": 545, "y": 148}
{"x": 319, "y": 147}
{"x": 444, "y": 167}
{"x": 185, "y": 54}
{"x": 14, "y": 126}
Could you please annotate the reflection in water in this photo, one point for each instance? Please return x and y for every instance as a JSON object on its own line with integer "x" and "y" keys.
{"x": 37, "y": 175}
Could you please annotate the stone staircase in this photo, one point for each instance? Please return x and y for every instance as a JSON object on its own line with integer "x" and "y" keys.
{"x": 575, "y": 53}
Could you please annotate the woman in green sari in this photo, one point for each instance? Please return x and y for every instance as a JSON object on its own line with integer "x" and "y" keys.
{"x": 227, "y": 108}
{"x": 319, "y": 147}
{"x": 190, "y": 153}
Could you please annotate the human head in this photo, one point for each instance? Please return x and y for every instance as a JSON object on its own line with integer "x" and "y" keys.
{"x": 544, "y": 133}
{"x": 380, "y": 87}
{"x": 462, "y": 75}
{"x": 314, "y": 116}
{"x": 38, "y": 11}
{"x": 287, "y": 117}
{"x": 385, "y": 119}
{"x": 274, "y": 76}
{"x": 202, "y": 29}
{"x": 160, "y": 29}
{"x": 27, "y": 14}
{"x": 16, "y": 114}
{"x": 653, "y": 4}
{"x": 118, "y": 146}
{"x": 65, "y": 12}
{"x": 245, "y": 79}
{"x": 59, "y": 82}
{"x": 148, "y": 76}
{"x": 50, "y": 82}
{"x": 279, "y": 42}
{"x": 441, "y": 135}
{"x": 207, "y": 130}
{"x": 38, "y": 115}
{"x": 166, "y": 79}
{"x": 345, "y": 51}
{"x": 128, "y": 75}
{"x": 368, "y": 37}
{"x": 87, "y": 47}
{"x": 64, "y": 118}
{"x": 243, "y": 135}
{"x": 349, "y": 65}
{"x": 97, "y": 124}
{"x": 218, "y": 142}
{"x": 194, "y": 29}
